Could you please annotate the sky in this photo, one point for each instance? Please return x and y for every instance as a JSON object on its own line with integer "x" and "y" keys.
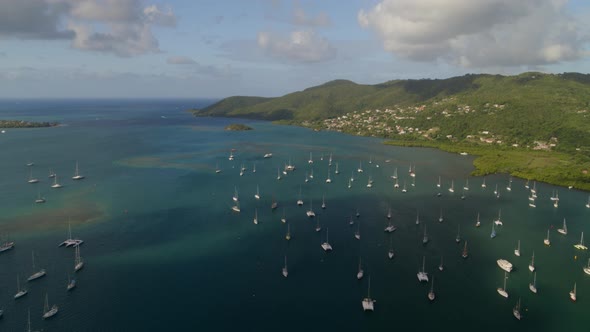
{"x": 219, "y": 48}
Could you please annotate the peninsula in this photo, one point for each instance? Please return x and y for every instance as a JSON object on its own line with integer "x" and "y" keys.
{"x": 25, "y": 124}
{"x": 237, "y": 127}
{"x": 533, "y": 125}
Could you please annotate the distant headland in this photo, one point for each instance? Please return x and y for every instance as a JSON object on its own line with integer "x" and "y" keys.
{"x": 237, "y": 127}
{"x": 25, "y": 124}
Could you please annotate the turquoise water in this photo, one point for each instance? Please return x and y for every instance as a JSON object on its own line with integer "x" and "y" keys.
{"x": 164, "y": 251}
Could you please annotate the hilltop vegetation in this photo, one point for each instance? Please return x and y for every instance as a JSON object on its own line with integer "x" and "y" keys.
{"x": 25, "y": 124}
{"x": 531, "y": 113}
{"x": 237, "y": 127}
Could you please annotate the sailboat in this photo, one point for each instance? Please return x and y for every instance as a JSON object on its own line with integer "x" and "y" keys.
{"x": 396, "y": 184}
{"x": 257, "y": 195}
{"x": 285, "y": 271}
{"x": 317, "y": 226}
{"x": 330, "y": 160}
{"x": 299, "y": 200}
{"x": 284, "y": 217}
{"x": 458, "y": 238}
{"x": 38, "y": 274}
{"x": 517, "y": 250}
{"x": 288, "y": 235}
{"x": 31, "y": 178}
{"x": 390, "y": 254}
{"x": 55, "y": 184}
{"x": 441, "y": 267}
{"x": 323, "y": 201}
{"x": 422, "y": 275}
{"x": 466, "y": 187}
{"x": 70, "y": 241}
{"x": 563, "y": 230}
{"x": 6, "y": 245}
{"x": 368, "y": 302}
{"x": 465, "y": 254}
{"x": 77, "y": 175}
{"x": 417, "y": 217}
{"x": 39, "y": 198}
{"x": 78, "y": 262}
{"x": 360, "y": 273}
{"x": 404, "y": 190}
{"x": 278, "y": 173}
{"x": 273, "y": 204}
{"x": 389, "y": 214}
{"x": 573, "y": 294}
{"x": 310, "y": 161}
{"x": 351, "y": 221}
{"x": 311, "y": 174}
{"x": 509, "y": 187}
{"x": 47, "y": 312}
{"x": 349, "y": 183}
{"x": 306, "y": 177}
{"x": 413, "y": 171}
{"x": 370, "y": 183}
{"x": 516, "y": 310}
{"x": 236, "y": 208}
{"x": 477, "y": 222}
{"x": 438, "y": 184}
{"x": 357, "y": 234}
{"x": 581, "y": 245}
{"x": 440, "y": 217}
{"x": 255, "y": 216}
{"x": 587, "y": 268}
{"x": 71, "y": 283}
{"x": 425, "y": 237}
{"x": 20, "y": 292}
{"x": 502, "y": 291}
{"x": 588, "y": 204}
{"x": 217, "y": 169}
{"x": 231, "y": 155}
{"x": 532, "y": 202}
{"x": 235, "y": 197}
{"x": 390, "y": 228}
{"x": 336, "y": 171}
{"x": 328, "y": 180}
{"x": 431, "y": 295}
{"x": 533, "y": 285}
{"x": 483, "y": 184}
{"x": 394, "y": 176}
{"x": 496, "y": 190}
{"x": 499, "y": 220}
{"x": 546, "y": 241}
{"x": 360, "y": 169}
{"x": 310, "y": 212}
{"x": 452, "y": 188}
{"x": 493, "y": 234}
{"x": 51, "y": 174}
{"x": 326, "y": 245}
{"x": 532, "y": 263}
{"x": 242, "y": 168}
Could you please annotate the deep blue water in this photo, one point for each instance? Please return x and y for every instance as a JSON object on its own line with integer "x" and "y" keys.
{"x": 164, "y": 251}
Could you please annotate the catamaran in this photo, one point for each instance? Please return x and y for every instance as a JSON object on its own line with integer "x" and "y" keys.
{"x": 573, "y": 293}
{"x": 360, "y": 273}
{"x": 326, "y": 245}
{"x": 502, "y": 291}
{"x": 31, "y": 178}
{"x": 533, "y": 285}
{"x": 47, "y": 312}
{"x": 563, "y": 230}
{"x": 422, "y": 275}
{"x": 581, "y": 245}
{"x": 546, "y": 241}
{"x": 78, "y": 262}
{"x": 516, "y": 310}
{"x": 517, "y": 250}
{"x": 20, "y": 292}
{"x": 38, "y": 274}
{"x": 431, "y": 295}
{"x": 499, "y": 220}
{"x": 77, "y": 175}
{"x": 310, "y": 212}
{"x": 368, "y": 302}
{"x": 285, "y": 271}
{"x": 504, "y": 265}
{"x": 532, "y": 263}
{"x": 70, "y": 241}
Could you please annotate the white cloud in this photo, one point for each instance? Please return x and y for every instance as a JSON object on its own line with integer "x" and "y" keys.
{"x": 180, "y": 60}
{"x": 33, "y": 19}
{"x": 299, "y": 46}
{"x": 301, "y": 18}
{"x": 163, "y": 17}
{"x": 481, "y": 33}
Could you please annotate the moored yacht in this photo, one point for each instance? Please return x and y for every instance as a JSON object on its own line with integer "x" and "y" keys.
{"x": 49, "y": 312}
{"x": 368, "y": 302}
{"x": 20, "y": 292}
{"x": 422, "y": 274}
{"x": 285, "y": 271}
{"x": 78, "y": 262}
{"x": 533, "y": 285}
{"x": 516, "y": 310}
{"x": 502, "y": 291}
{"x": 563, "y": 230}
{"x": 504, "y": 265}
{"x": 77, "y": 175}
{"x": 38, "y": 274}
{"x": 431, "y": 295}
{"x": 587, "y": 268}
{"x": 532, "y": 263}
{"x": 581, "y": 245}
{"x": 546, "y": 241}
{"x": 360, "y": 273}
{"x": 326, "y": 245}
{"x": 31, "y": 178}
{"x": 517, "y": 250}
{"x": 573, "y": 294}
{"x": 55, "y": 183}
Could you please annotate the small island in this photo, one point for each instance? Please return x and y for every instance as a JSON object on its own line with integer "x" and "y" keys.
{"x": 25, "y": 124}
{"x": 237, "y": 127}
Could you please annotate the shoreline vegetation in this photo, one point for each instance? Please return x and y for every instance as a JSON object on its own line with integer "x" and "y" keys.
{"x": 25, "y": 124}
{"x": 533, "y": 125}
{"x": 237, "y": 127}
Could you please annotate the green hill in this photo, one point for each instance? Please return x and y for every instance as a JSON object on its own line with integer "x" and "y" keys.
{"x": 541, "y": 114}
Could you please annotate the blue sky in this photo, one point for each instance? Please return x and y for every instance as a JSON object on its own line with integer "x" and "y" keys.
{"x": 202, "y": 48}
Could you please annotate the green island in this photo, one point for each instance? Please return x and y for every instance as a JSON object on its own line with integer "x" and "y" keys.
{"x": 534, "y": 125}
{"x": 25, "y": 124}
{"x": 237, "y": 127}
